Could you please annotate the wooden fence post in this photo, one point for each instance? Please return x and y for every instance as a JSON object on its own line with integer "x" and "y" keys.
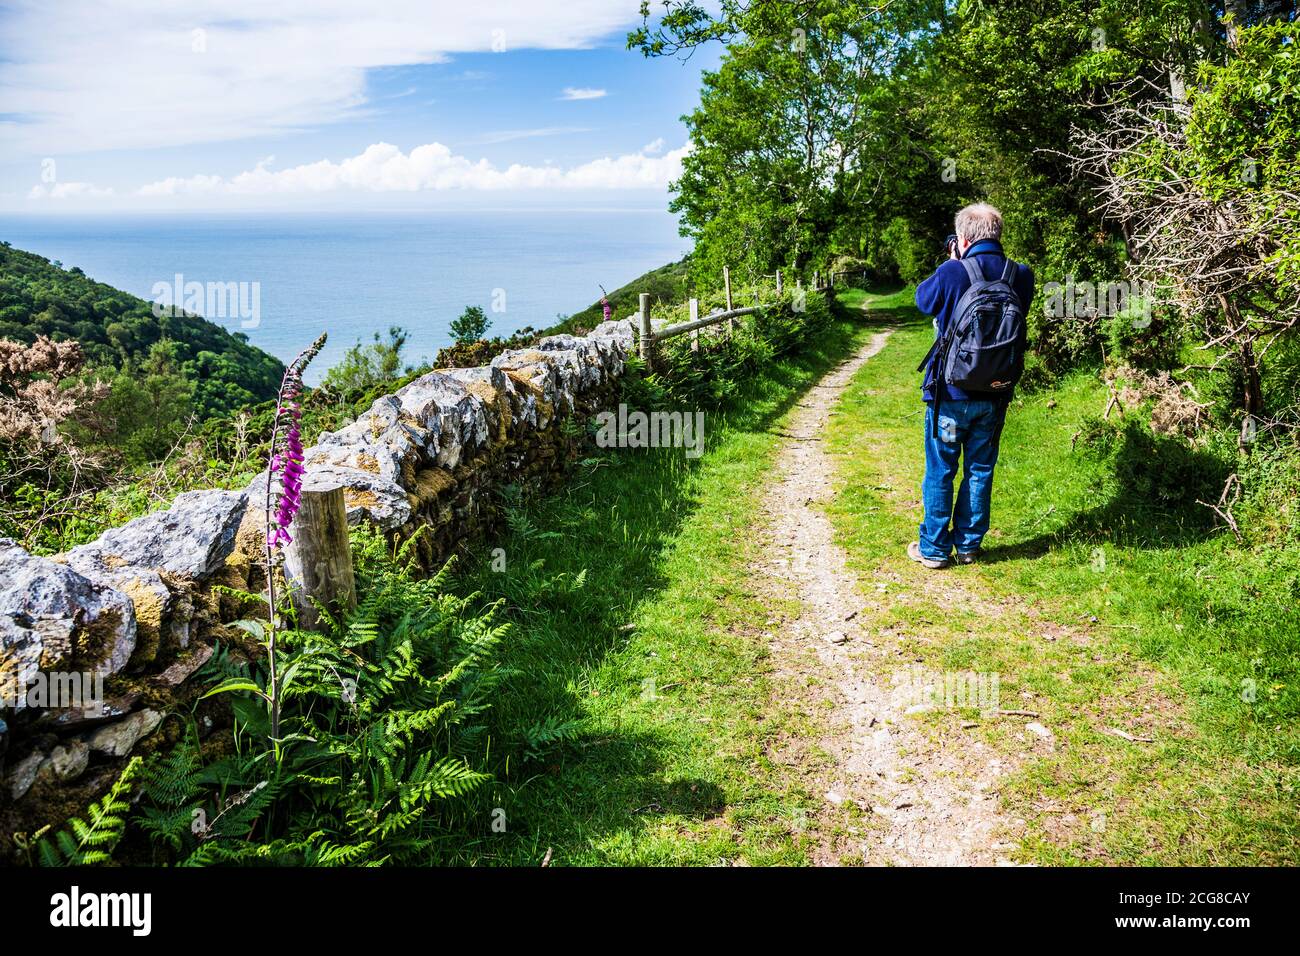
{"x": 318, "y": 561}
{"x": 726, "y": 284}
{"x": 647, "y": 340}
{"x": 695, "y": 333}
{"x": 778, "y": 281}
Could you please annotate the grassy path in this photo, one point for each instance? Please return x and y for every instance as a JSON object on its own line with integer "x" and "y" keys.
{"x": 890, "y": 798}
{"x": 643, "y": 685}
{"x": 1134, "y": 641}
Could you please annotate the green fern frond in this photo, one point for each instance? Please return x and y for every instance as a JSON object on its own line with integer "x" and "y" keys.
{"x": 88, "y": 843}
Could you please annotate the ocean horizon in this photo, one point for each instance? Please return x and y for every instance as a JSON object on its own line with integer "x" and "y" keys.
{"x": 283, "y": 278}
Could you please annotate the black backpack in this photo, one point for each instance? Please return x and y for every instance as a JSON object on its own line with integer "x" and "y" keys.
{"x": 983, "y": 348}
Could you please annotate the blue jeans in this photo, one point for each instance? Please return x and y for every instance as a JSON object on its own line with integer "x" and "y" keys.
{"x": 970, "y": 429}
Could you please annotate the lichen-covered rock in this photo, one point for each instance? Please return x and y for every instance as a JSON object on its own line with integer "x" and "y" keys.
{"x": 537, "y": 371}
{"x": 578, "y": 370}
{"x": 150, "y": 597}
{"x": 23, "y": 774}
{"x": 430, "y": 483}
{"x": 179, "y": 671}
{"x": 461, "y": 415}
{"x": 383, "y": 441}
{"x": 600, "y": 359}
{"x": 64, "y": 719}
{"x": 613, "y": 355}
{"x": 66, "y": 761}
{"x": 430, "y": 457}
{"x": 493, "y": 388}
{"x": 53, "y": 618}
{"x": 367, "y": 496}
{"x": 624, "y": 330}
{"x": 192, "y": 538}
{"x": 118, "y": 739}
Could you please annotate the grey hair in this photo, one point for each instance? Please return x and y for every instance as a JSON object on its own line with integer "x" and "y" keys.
{"x": 979, "y": 221}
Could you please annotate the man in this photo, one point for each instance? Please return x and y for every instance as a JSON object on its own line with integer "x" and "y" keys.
{"x": 969, "y": 422}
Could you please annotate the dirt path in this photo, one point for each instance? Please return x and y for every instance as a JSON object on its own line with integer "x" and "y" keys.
{"x": 894, "y": 793}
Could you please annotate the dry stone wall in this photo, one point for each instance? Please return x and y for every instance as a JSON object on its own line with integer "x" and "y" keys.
{"x": 97, "y": 645}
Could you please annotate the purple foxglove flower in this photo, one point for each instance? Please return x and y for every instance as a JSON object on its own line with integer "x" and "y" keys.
{"x": 287, "y": 461}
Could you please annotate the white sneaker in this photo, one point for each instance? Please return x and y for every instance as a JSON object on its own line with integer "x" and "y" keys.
{"x": 934, "y": 564}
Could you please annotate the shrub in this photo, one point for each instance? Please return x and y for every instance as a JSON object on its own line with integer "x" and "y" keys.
{"x": 710, "y": 376}
{"x": 470, "y": 326}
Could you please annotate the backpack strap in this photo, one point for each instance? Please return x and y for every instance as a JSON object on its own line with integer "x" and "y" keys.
{"x": 976, "y": 275}
{"x": 928, "y": 355}
{"x": 1009, "y": 272}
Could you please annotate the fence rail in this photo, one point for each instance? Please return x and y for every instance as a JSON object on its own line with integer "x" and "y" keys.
{"x": 668, "y": 331}
{"x": 648, "y": 335}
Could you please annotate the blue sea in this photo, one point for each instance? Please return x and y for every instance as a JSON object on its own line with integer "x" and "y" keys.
{"x": 353, "y": 275}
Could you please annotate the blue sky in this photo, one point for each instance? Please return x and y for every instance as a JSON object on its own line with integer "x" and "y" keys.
{"x": 219, "y": 104}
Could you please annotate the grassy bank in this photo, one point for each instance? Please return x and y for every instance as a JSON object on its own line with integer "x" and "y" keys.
{"x": 1103, "y": 610}
{"x": 640, "y": 653}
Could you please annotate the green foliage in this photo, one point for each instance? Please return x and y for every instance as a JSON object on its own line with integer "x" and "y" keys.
{"x": 483, "y": 351}
{"x": 1150, "y": 339}
{"x": 92, "y": 841}
{"x": 715, "y": 373}
{"x": 803, "y": 140}
{"x": 148, "y": 407}
{"x": 364, "y": 367}
{"x": 905, "y": 252}
{"x": 115, "y": 329}
{"x": 382, "y": 734}
{"x": 666, "y": 285}
{"x": 1242, "y": 134}
{"x": 470, "y": 326}
{"x": 1158, "y": 478}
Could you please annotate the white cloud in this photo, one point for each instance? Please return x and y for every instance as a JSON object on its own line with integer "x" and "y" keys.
{"x": 581, "y": 93}
{"x": 383, "y": 167}
{"x": 654, "y": 147}
{"x": 176, "y": 185}
{"x": 69, "y": 191}
{"x": 90, "y": 75}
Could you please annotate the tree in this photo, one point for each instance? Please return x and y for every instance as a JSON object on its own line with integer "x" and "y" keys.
{"x": 148, "y": 406}
{"x": 470, "y": 326}
{"x": 365, "y": 366}
{"x": 802, "y": 145}
{"x": 1206, "y": 191}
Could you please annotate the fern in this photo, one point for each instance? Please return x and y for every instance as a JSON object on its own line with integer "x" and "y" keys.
{"x": 547, "y": 734}
{"x": 92, "y": 841}
{"x": 383, "y": 726}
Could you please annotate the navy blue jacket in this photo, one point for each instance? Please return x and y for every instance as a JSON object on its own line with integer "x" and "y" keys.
{"x": 938, "y": 295}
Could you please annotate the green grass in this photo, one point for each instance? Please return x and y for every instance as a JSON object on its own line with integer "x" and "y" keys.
{"x": 666, "y": 285}
{"x": 638, "y": 640}
{"x": 1105, "y": 602}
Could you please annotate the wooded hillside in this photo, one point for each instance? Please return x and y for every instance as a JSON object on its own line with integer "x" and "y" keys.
{"x": 118, "y": 330}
